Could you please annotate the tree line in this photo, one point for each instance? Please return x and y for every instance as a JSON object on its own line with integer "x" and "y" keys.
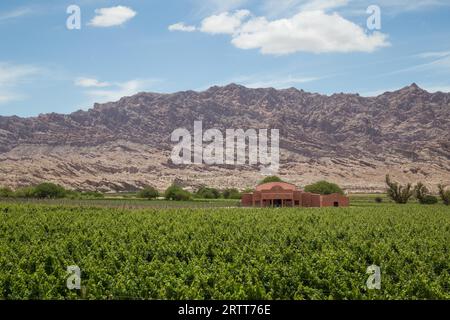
{"x": 403, "y": 193}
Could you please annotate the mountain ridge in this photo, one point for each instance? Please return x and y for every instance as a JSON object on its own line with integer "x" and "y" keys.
{"x": 346, "y": 138}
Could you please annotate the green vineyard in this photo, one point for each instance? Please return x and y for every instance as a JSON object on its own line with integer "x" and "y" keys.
{"x": 224, "y": 253}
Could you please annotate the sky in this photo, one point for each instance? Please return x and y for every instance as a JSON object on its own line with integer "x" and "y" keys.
{"x": 54, "y": 60}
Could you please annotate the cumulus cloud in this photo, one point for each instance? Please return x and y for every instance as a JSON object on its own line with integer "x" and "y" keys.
{"x": 90, "y": 83}
{"x": 180, "y": 26}
{"x": 224, "y": 23}
{"x": 110, "y": 17}
{"x": 308, "y": 31}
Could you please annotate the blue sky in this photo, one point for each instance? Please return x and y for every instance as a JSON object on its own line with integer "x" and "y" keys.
{"x": 128, "y": 46}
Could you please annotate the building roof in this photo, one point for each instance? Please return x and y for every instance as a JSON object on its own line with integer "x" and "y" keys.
{"x": 271, "y": 185}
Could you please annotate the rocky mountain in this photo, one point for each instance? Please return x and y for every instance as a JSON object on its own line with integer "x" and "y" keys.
{"x": 124, "y": 145}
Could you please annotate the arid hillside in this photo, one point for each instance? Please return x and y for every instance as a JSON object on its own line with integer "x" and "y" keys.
{"x": 344, "y": 138}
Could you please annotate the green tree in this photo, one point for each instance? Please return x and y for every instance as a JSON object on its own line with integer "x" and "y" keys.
{"x": 429, "y": 199}
{"x": 324, "y": 187}
{"x": 49, "y": 190}
{"x": 148, "y": 193}
{"x": 445, "y": 194}
{"x": 177, "y": 193}
{"x": 207, "y": 193}
{"x": 231, "y": 194}
{"x": 271, "y": 179}
{"x": 398, "y": 193}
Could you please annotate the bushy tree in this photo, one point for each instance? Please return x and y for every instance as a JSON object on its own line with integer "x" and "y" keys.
{"x": 421, "y": 192}
{"x": 207, "y": 193}
{"x": 25, "y": 192}
{"x": 148, "y": 193}
{"x": 6, "y": 193}
{"x": 177, "y": 193}
{"x": 445, "y": 194}
{"x": 324, "y": 187}
{"x": 49, "y": 190}
{"x": 271, "y": 179}
{"x": 231, "y": 194}
{"x": 398, "y": 193}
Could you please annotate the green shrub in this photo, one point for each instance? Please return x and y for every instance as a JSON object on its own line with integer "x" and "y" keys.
{"x": 271, "y": 179}
{"x": 445, "y": 194}
{"x": 177, "y": 193}
{"x": 324, "y": 187}
{"x": 398, "y": 193}
{"x": 25, "y": 192}
{"x": 207, "y": 193}
{"x": 148, "y": 193}
{"x": 231, "y": 194}
{"x": 49, "y": 191}
{"x": 73, "y": 195}
{"x": 429, "y": 199}
{"x": 6, "y": 193}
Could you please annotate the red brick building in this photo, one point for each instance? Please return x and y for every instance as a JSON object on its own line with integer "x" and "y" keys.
{"x": 281, "y": 194}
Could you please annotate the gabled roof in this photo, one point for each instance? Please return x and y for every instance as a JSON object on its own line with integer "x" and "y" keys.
{"x": 271, "y": 185}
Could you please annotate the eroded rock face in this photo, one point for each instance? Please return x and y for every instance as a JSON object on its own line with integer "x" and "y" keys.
{"x": 124, "y": 145}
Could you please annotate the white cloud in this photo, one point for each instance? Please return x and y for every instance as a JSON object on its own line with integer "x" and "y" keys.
{"x": 90, "y": 82}
{"x": 110, "y": 17}
{"x": 11, "y": 76}
{"x": 410, "y": 5}
{"x": 440, "y": 64}
{"x": 6, "y": 97}
{"x": 180, "y": 26}
{"x": 16, "y": 13}
{"x": 323, "y": 4}
{"x": 118, "y": 90}
{"x": 437, "y": 88}
{"x": 216, "y": 6}
{"x": 277, "y": 82}
{"x": 224, "y": 23}
{"x": 433, "y": 54}
{"x": 308, "y": 31}
{"x": 275, "y": 8}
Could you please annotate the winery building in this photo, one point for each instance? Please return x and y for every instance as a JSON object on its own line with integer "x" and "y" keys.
{"x": 281, "y": 194}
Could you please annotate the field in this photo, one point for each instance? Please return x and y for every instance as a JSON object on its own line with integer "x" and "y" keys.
{"x": 224, "y": 253}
